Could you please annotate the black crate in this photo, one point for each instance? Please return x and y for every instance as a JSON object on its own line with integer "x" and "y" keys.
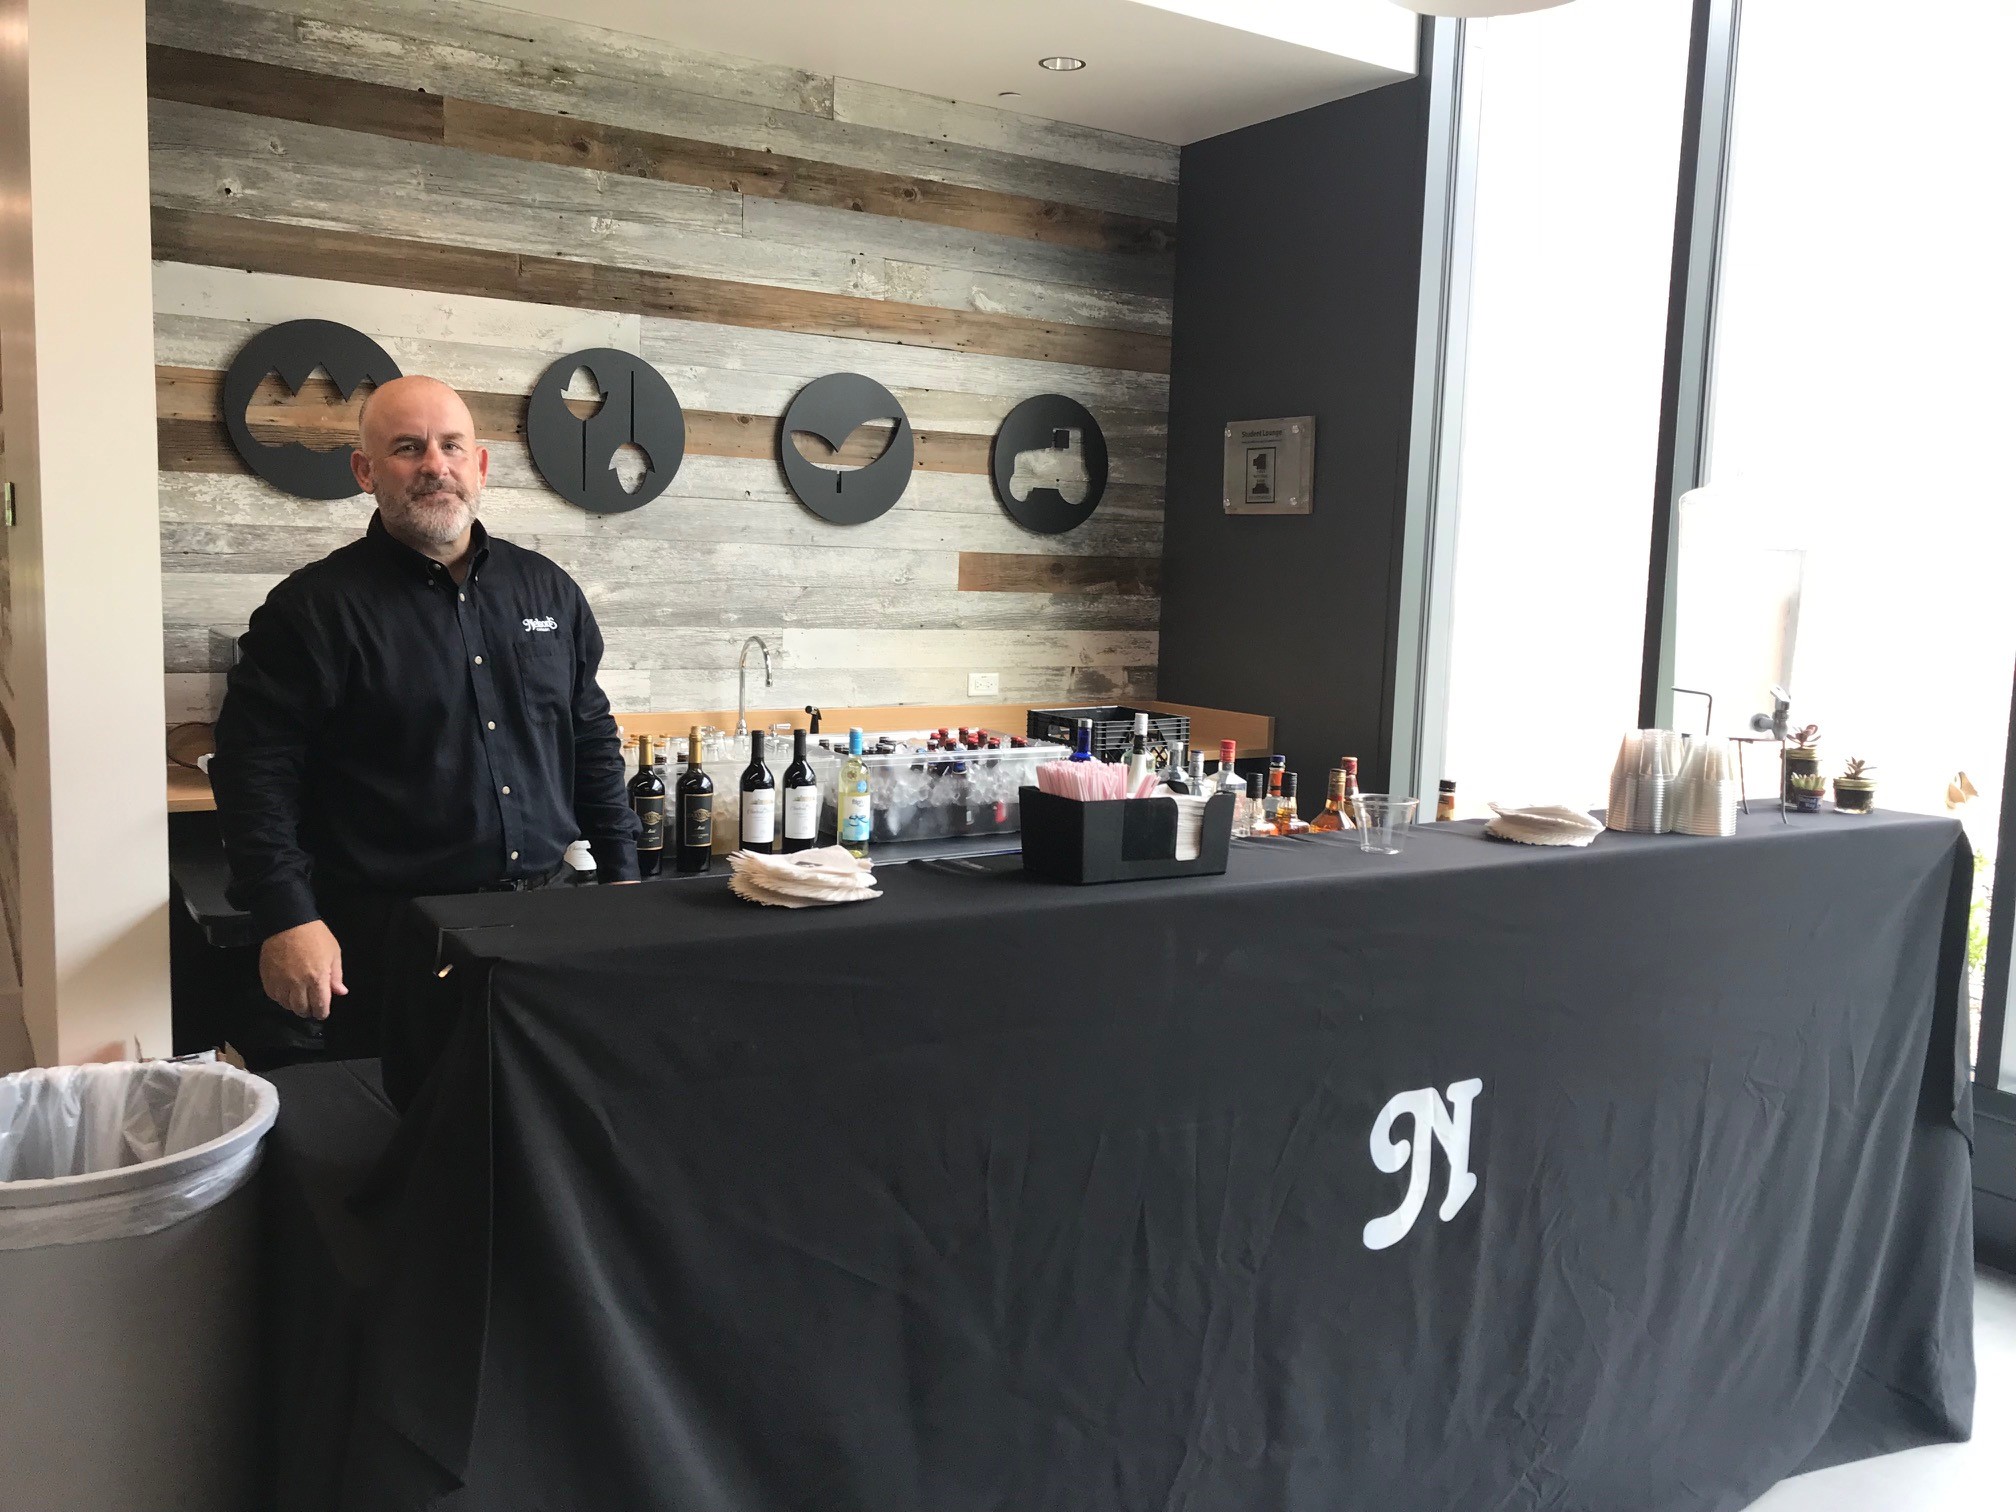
{"x": 1112, "y": 728}
{"x": 1121, "y": 840}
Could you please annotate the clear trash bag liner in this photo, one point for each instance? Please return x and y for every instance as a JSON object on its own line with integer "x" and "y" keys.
{"x": 90, "y": 1153}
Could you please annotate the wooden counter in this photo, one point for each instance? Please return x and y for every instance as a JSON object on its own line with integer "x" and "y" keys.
{"x": 189, "y": 789}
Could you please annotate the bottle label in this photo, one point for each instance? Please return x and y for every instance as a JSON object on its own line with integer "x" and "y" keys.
{"x": 801, "y": 813}
{"x": 698, "y": 820}
{"x": 855, "y": 815}
{"x": 759, "y": 817}
{"x": 651, "y": 814}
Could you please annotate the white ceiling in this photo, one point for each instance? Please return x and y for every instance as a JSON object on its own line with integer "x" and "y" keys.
{"x": 1160, "y": 69}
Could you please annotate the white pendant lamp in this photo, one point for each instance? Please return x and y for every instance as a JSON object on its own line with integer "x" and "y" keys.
{"x": 1477, "y": 7}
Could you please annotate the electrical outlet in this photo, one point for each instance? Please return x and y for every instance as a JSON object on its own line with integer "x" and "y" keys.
{"x": 983, "y": 684}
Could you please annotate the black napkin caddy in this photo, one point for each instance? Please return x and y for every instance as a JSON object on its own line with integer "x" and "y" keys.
{"x": 1120, "y": 840}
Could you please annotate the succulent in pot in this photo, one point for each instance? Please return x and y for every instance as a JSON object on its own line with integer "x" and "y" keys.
{"x": 1802, "y": 756}
{"x": 1804, "y": 790}
{"x": 1854, "y": 789}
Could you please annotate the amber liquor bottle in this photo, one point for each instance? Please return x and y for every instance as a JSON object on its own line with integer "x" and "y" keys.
{"x": 1336, "y": 815}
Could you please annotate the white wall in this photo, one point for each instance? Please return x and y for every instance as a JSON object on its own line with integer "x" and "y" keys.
{"x": 84, "y": 662}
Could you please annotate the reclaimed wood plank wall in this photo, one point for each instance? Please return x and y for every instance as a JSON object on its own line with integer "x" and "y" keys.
{"x": 482, "y": 190}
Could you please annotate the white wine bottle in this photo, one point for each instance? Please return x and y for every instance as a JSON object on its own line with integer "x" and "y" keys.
{"x": 851, "y": 798}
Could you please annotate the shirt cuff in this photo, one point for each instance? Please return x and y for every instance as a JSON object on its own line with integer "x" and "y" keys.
{"x": 284, "y": 905}
{"x": 615, "y": 858}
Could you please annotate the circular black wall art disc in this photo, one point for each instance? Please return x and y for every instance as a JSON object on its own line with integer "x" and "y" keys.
{"x": 833, "y": 408}
{"x": 1044, "y": 424}
{"x": 294, "y": 349}
{"x": 577, "y": 457}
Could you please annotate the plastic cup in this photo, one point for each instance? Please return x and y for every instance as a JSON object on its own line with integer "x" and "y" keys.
{"x": 1383, "y": 822}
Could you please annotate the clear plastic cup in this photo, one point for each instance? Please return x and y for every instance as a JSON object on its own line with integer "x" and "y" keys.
{"x": 1383, "y": 821}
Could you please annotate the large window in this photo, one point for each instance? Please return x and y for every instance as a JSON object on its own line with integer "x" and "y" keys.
{"x": 1855, "y": 534}
{"x": 1577, "y": 137}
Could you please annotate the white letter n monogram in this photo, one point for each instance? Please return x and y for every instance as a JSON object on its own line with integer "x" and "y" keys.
{"x": 1432, "y": 1122}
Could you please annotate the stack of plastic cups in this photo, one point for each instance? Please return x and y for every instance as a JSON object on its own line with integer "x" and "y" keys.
{"x": 1709, "y": 792}
{"x": 1643, "y": 783}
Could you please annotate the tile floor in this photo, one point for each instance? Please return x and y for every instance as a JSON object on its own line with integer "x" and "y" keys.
{"x": 1945, "y": 1477}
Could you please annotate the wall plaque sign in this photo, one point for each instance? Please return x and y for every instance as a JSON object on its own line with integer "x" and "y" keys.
{"x": 294, "y": 349}
{"x": 1270, "y": 466}
{"x": 1054, "y": 423}
{"x": 577, "y": 457}
{"x": 833, "y": 408}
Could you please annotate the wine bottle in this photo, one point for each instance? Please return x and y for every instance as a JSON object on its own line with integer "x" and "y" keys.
{"x": 856, "y": 813}
{"x": 759, "y": 801}
{"x": 696, "y": 811}
{"x": 647, "y": 802}
{"x": 801, "y": 799}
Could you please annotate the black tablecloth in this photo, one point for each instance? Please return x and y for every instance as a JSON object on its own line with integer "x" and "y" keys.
{"x": 995, "y": 1194}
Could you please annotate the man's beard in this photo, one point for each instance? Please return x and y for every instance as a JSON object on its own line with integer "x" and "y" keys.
{"x": 436, "y": 515}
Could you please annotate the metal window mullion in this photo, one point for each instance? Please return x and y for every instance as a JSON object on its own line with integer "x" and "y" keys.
{"x": 1428, "y": 538}
{"x": 1685, "y": 415}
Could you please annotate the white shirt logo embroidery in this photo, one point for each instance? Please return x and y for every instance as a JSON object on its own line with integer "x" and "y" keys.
{"x": 542, "y": 624}
{"x": 1433, "y": 1123}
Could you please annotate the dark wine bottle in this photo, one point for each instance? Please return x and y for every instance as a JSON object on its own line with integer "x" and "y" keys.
{"x": 647, "y": 802}
{"x": 696, "y": 812}
{"x": 801, "y": 799}
{"x": 759, "y": 800}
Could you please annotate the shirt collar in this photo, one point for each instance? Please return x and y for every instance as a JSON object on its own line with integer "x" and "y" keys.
{"x": 397, "y": 550}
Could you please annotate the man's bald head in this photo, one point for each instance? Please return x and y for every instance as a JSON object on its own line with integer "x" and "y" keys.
{"x": 417, "y": 455}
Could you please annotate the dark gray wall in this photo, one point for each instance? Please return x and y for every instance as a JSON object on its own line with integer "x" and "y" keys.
{"x": 1297, "y": 278}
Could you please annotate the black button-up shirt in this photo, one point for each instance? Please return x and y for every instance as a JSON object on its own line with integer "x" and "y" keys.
{"x": 388, "y": 728}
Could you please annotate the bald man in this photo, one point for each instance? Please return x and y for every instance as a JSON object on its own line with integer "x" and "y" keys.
{"x": 417, "y": 713}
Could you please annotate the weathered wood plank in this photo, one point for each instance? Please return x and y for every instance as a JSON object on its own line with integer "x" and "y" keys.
{"x": 411, "y": 50}
{"x": 1025, "y": 572}
{"x": 205, "y": 314}
{"x": 796, "y": 650}
{"x": 534, "y": 136}
{"x": 1000, "y": 294}
{"x": 477, "y": 35}
{"x": 876, "y": 686}
{"x": 233, "y": 241}
{"x": 1003, "y": 130}
{"x": 292, "y": 94}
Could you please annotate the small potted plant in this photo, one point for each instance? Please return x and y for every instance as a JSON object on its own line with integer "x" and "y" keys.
{"x": 1804, "y": 791}
{"x": 1854, "y": 792}
{"x": 1802, "y": 755}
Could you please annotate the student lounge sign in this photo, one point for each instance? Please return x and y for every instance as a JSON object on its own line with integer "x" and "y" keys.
{"x": 576, "y": 455}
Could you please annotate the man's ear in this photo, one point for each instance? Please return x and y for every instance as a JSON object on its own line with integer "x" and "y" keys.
{"x": 360, "y": 469}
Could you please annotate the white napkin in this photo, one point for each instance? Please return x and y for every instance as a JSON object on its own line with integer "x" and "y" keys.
{"x": 802, "y": 879}
{"x": 1543, "y": 824}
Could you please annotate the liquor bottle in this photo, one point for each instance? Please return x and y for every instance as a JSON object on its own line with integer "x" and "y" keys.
{"x": 1138, "y": 763}
{"x": 1288, "y": 813}
{"x": 1336, "y": 816}
{"x": 759, "y": 800}
{"x": 1445, "y": 801}
{"x": 851, "y": 795}
{"x": 801, "y": 799}
{"x": 1276, "y": 765}
{"x": 696, "y": 811}
{"x": 1197, "y": 775}
{"x": 1246, "y": 808}
{"x": 1081, "y": 749}
{"x": 1175, "y": 778}
{"x": 1263, "y": 817}
{"x": 647, "y": 802}
{"x": 1350, "y": 765}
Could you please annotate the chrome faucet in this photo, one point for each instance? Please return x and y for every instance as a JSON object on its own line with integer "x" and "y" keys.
{"x": 742, "y": 681}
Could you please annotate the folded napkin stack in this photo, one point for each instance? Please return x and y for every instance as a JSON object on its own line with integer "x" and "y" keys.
{"x": 802, "y": 879}
{"x": 1543, "y": 824}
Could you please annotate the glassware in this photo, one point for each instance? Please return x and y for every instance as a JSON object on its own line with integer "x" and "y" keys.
{"x": 1383, "y": 822}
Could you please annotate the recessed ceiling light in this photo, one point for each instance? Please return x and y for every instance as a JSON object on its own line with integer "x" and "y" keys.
{"x": 1061, "y": 64}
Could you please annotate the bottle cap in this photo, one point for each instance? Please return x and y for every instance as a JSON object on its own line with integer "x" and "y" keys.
{"x": 1140, "y": 724}
{"x": 1228, "y": 750}
{"x": 1278, "y": 761}
{"x": 1448, "y": 785}
{"x": 854, "y": 741}
{"x": 1288, "y": 785}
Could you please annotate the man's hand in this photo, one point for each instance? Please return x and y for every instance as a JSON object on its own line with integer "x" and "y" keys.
{"x": 302, "y": 969}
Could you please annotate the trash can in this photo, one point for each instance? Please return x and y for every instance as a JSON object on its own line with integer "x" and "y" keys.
{"x": 128, "y": 1287}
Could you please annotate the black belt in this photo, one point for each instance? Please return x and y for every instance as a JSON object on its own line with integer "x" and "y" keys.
{"x": 526, "y": 884}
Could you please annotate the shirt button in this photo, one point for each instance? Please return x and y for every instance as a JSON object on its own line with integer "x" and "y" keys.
{"x": 489, "y": 724}
{"x": 507, "y": 787}
{"x": 461, "y": 598}
{"x": 514, "y": 855}
{"x": 479, "y": 661}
